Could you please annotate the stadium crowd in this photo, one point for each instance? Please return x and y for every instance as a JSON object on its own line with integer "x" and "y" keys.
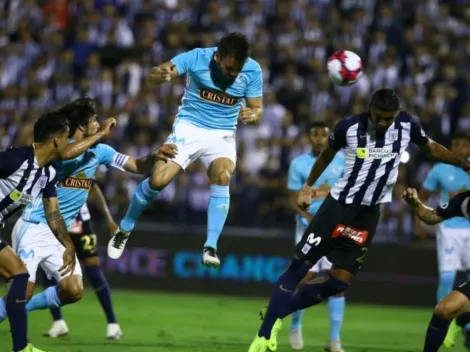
{"x": 54, "y": 51}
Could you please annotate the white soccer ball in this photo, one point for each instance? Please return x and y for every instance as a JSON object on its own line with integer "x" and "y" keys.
{"x": 344, "y": 68}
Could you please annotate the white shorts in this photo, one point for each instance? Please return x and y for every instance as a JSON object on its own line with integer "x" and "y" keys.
{"x": 453, "y": 249}
{"x": 198, "y": 143}
{"x": 323, "y": 264}
{"x": 36, "y": 245}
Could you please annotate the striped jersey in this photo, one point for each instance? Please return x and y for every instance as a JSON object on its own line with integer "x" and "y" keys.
{"x": 458, "y": 206}
{"x": 22, "y": 181}
{"x": 372, "y": 158}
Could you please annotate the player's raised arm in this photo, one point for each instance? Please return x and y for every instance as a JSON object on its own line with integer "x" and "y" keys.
{"x": 77, "y": 148}
{"x": 179, "y": 65}
{"x": 426, "y": 214}
{"x": 434, "y": 150}
{"x": 97, "y": 198}
{"x": 58, "y": 227}
{"x": 144, "y": 165}
{"x": 254, "y": 99}
{"x": 336, "y": 141}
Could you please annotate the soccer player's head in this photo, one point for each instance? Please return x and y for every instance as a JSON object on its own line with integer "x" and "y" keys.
{"x": 232, "y": 52}
{"x": 52, "y": 130}
{"x": 81, "y": 114}
{"x": 318, "y": 136}
{"x": 460, "y": 144}
{"x": 384, "y": 107}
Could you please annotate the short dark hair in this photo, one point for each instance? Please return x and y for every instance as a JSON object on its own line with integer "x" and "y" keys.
{"x": 461, "y": 135}
{"x": 236, "y": 45}
{"x": 318, "y": 124}
{"x": 385, "y": 99}
{"x": 49, "y": 126}
{"x": 78, "y": 112}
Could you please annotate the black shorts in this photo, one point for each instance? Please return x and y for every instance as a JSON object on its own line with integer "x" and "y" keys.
{"x": 84, "y": 239}
{"x": 342, "y": 233}
{"x": 464, "y": 289}
{"x": 3, "y": 244}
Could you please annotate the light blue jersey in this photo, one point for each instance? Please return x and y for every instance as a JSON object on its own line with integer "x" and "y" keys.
{"x": 449, "y": 180}
{"x": 204, "y": 103}
{"x": 75, "y": 179}
{"x": 298, "y": 174}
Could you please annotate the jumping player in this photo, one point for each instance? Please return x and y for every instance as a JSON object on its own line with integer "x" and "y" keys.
{"x": 344, "y": 226}
{"x": 455, "y": 232}
{"x": 32, "y": 238}
{"x": 457, "y": 302}
{"x": 25, "y": 175}
{"x": 298, "y": 175}
{"x": 218, "y": 81}
{"x": 86, "y": 244}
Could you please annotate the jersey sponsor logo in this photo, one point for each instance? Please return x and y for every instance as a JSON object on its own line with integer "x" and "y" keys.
{"x": 375, "y": 153}
{"x": 358, "y": 236}
{"x": 21, "y": 197}
{"x": 23, "y": 254}
{"x": 78, "y": 181}
{"x": 217, "y": 97}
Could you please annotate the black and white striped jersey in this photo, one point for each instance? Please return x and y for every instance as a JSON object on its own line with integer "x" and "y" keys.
{"x": 459, "y": 205}
{"x": 371, "y": 158}
{"x": 22, "y": 180}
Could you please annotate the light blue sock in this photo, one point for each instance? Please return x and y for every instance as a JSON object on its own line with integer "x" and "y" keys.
{"x": 219, "y": 204}
{"x": 446, "y": 284}
{"x": 297, "y": 320}
{"x": 143, "y": 195}
{"x": 336, "y": 307}
{"x": 3, "y": 309}
{"x": 48, "y": 298}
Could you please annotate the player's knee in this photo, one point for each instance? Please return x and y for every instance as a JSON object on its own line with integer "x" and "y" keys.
{"x": 74, "y": 293}
{"x": 91, "y": 261}
{"x": 447, "y": 310}
{"x": 71, "y": 290}
{"x": 221, "y": 178}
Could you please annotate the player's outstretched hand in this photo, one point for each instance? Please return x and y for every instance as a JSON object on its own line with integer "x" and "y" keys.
{"x": 247, "y": 116}
{"x": 410, "y": 195}
{"x": 305, "y": 197}
{"x": 162, "y": 73}
{"x": 166, "y": 152}
{"x": 69, "y": 262}
{"x": 107, "y": 126}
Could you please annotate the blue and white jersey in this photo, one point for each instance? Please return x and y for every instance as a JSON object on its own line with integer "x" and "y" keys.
{"x": 299, "y": 171}
{"x": 449, "y": 180}
{"x": 458, "y": 206}
{"x": 76, "y": 177}
{"x": 206, "y": 102}
{"x": 22, "y": 181}
{"x": 372, "y": 160}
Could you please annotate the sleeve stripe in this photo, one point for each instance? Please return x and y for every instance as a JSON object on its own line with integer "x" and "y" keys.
{"x": 119, "y": 160}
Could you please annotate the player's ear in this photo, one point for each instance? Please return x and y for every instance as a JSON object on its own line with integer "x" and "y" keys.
{"x": 216, "y": 56}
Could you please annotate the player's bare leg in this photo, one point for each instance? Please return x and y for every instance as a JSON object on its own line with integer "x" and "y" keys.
{"x": 13, "y": 304}
{"x": 453, "y": 305}
{"x": 162, "y": 174}
{"x": 220, "y": 171}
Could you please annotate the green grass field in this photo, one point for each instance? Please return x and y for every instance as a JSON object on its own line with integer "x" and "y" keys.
{"x": 192, "y": 323}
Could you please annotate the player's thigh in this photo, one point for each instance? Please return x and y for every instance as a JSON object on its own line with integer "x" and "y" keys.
{"x": 54, "y": 262}
{"x": 10, "y": 264}
{"x": 32, "y": 245}
{"x": 450, "y": 249}
{"x": 465, "y": 250}
{"x": 317, "y": 240}
{"x": 190, "y": 141}
{"x": 219, "y": 155}
{"x": 353, "y": 238}
{"x": 86, "y": 245}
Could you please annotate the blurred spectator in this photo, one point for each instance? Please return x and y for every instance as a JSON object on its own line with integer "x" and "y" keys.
{"x": 54, "y": 51}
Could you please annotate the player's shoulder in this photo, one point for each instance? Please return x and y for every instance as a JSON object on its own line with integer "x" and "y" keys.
{"x": 251, "y": 66}
{"x": 348, "y": 122}
{"x": 204, "y": 54}
{"x": 406, "y": 117}
{"x": 102, "y": 149}
{"x": 14, "y": 157}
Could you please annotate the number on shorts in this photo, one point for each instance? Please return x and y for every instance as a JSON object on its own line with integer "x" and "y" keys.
{"x": 89, "y": 243}
{"x": 361, "y": 258}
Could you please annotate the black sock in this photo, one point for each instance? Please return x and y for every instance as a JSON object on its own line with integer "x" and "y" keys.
{"x": 283, "y": 290}
{"x": 15, "y": 303}
{"x": 436, "y": 333}
{"x": 314, "y": 292}
{"x": 55, "y": 312}
{"x": 97, "y": 279}
{"x": 463, "y": 319}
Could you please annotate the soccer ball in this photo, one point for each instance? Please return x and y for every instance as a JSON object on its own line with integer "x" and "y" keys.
{"x": 344, "y": 68}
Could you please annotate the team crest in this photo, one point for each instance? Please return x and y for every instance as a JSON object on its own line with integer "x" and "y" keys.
{"x": 42, "y": 182}
{"x": 393, "y": 135}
